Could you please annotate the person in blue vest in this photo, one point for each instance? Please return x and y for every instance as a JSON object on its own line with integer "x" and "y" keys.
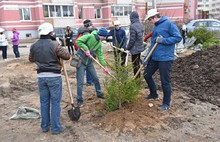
{"x": 166, "y": 34}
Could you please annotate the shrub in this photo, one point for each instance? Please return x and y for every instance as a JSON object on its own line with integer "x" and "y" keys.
{"x": 122, "y": 89}
{"x": 201, "y": 35}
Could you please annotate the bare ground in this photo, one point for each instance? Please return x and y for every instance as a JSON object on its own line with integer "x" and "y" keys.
{"x": 189, "y": 119}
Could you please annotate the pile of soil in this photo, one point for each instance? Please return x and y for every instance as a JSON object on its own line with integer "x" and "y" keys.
{"x": 199, "y": 75}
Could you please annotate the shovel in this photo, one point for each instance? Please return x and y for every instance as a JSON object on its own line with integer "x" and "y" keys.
{"x": 127, "y": 53}
{"x": 98, "y": 63}
{"x": 148, "y": 56}
{"x": 74, "y": 113}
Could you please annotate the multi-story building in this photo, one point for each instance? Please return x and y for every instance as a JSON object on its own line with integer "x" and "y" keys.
{"x": 27, "y": 15}
{"x": 208, "y": 9}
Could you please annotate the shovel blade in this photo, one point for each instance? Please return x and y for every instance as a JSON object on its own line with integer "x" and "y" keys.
{"x": 74, "y": 113}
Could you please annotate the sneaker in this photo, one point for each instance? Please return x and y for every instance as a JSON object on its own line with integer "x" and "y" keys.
{"x": 101, "y": 96}
{"x": 89, "y": 84}
{"x": 151, "y": 97}
{"x": 62, "y": 128}
{"x": 80, "y": 104}
{"x": 164, "y": 107}
{"x": 45, "y": 131}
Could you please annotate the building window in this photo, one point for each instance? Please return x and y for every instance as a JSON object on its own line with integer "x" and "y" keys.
{"x": 25, "y": 14}
{"x": 80, "y": 12}
{"x": 97, "y": 13}
{"x": 58, "y": 11}
{"x": 121, "y": 10}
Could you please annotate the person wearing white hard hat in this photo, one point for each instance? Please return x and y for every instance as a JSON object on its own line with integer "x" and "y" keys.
{"x": 47, "y": 53}
{"x": 166, "y": 34}
{"x": 3, "y": 44}
{"x": 119, "y": 40}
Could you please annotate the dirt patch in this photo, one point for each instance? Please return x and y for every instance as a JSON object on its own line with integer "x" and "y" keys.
{"x": 188, "y": 120}
{"x": 199, "y": 75}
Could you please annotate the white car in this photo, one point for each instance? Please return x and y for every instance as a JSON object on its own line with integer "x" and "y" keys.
{"x": 210, "y": 24}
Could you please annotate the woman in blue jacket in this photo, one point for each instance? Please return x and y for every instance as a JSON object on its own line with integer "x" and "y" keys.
{"x": 166, "y": 34}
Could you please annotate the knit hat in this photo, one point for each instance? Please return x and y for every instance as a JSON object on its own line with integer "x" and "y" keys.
{"x": 87, "y": 23}
{"x": 14, "y": 29}
{"x": 103, "y": 32}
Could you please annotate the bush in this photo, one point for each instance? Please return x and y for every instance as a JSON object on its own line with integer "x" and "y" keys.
{"x": 201, "y": 35}
{"x": 210, "y": 42}
{"x": 204, "y": 37}
{"x": 122, "y": 89}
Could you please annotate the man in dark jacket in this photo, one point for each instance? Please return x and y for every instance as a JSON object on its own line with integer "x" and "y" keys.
{"x": 135, "y": 45}
{"x": 87, "y": 29}
{"x": 166, "y": 34}
{"x": 119, "y": 40}
{"x": 46, "y": 54}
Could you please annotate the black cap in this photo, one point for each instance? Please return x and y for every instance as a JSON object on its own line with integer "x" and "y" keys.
{"x": 87, "y": 23}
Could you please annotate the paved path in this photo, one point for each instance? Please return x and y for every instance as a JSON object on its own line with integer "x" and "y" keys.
{"x": 23, "y": 49}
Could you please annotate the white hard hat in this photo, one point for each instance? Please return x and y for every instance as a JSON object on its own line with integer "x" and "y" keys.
{"x": 117, "y": 22}
{"x": 1, "y": 30}
{"x": 151, "y": 13}
{"x": 45, "y": 29}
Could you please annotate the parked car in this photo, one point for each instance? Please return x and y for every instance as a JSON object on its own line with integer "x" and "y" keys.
{"x": 210, "y": 24}
{"x": 60, "y": 34}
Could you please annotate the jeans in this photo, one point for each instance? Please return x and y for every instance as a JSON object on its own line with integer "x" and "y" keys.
{"x": 15, "y": 50}
{"x": 50, "y": 89}
{"x": 89, "y": 78}
{"x": 164, "y": 70}
{"x": 4, "y": 51}
{"x": 80, "y": 78}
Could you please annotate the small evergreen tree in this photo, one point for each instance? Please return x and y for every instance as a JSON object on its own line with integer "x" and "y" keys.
{"x": 123, "y": 88}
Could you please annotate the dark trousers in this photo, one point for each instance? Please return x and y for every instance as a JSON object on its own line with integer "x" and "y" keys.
{"x": 119, "y": 54}
{"x": 70, "y": 46}
{"x": 4, "y": 51}
{"x": 164, "y": 70}
{"x": 136, "y": 63}
{"x": 15, "y": 50}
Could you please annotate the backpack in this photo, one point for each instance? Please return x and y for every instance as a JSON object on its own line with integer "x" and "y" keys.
{"x": 75, "y": 45}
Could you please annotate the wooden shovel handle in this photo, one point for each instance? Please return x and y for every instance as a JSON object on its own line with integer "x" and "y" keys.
{"x": 148, "y": 56}
{"x": 67, "y": 81}
{"x": 98, "y": 63}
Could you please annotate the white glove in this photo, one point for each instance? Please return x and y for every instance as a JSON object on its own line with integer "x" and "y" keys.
{"x": 127, "y": 51}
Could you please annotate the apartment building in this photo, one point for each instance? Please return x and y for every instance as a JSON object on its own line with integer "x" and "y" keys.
{"x": 208, "y": 9}
{"x": 27, "y": 15}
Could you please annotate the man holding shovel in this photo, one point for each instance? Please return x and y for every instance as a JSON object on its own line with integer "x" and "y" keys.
{"x": 119, "y": 40}
{"x": 166, "y": 34}
{"x": 46, "y": 53}
{"x": 87, "y": 44}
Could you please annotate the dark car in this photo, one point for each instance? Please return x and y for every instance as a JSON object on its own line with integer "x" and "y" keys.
{"x": 60, "y": 34}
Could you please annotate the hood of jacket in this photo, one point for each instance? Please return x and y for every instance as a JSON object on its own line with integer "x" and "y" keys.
{"x": 161, "y": 20}
{"x": 134, "y": 17}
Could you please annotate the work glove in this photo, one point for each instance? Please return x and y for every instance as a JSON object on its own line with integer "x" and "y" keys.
{"x": 159, "y": 39}
{"x": 106, "y": 70}
{"x": 127, "y": 51}
{"x": 87, "y": 52}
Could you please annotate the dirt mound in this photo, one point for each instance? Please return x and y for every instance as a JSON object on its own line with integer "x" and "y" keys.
{"x": 199, "y": 75}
